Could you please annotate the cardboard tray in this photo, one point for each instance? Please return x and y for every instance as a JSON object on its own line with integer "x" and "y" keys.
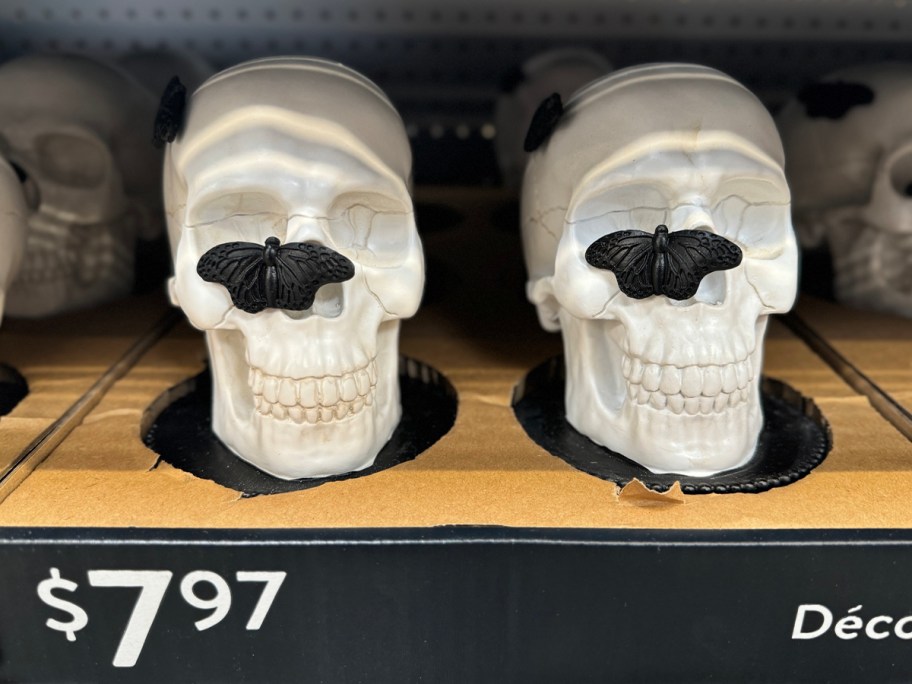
{"x": 872, "y": 351}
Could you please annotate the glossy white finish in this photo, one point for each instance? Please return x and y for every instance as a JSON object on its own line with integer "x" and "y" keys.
{"x": 671, "y": 384}
{"x": 13, "y": 226}
{"x": 555, "y": 71}
{"x": 852, "y": 184}
{"x": 304, "y": 150}
{"x": 80, "y": 129}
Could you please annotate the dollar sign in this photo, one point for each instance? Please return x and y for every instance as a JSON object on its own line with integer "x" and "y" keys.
{"x": 45, "y": 593}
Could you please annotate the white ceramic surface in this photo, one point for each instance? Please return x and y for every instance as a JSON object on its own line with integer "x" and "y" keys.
{"x": 305, "y": 150}
{"x": 13, "y": 227}
{"x": 673, "y": 385}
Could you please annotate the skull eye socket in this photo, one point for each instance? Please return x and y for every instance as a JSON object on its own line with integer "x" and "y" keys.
{"x": 234, "y": 205}
{"x": 759, "y": 229}
{"x": 29, "y": 187}
{"x": 617, "y": 204}
{"x": 901, "y": 174}
{"x": 376, "y": 229}
{"x": 634, "y": 206}
{"x": 71, "y": 160}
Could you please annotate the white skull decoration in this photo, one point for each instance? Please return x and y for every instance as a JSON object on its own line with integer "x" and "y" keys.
{"x": 13, "y": 225}
{"x": 672, "y": 384}
{"x": 305, "y": 151}
{"x": 848, "y": 143}
{"x": 562, "y": 71}
{"x": 79, "y": 133}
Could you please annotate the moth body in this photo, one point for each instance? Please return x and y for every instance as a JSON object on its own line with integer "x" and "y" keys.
{"x": 270, "y": 250}
{"x": 659, "y": 261}
{"x": 270, "y": 275}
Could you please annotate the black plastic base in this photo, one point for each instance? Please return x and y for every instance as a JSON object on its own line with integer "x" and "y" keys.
{"x": 794, "y": 440}
{"x": 182, "y": 434}
{"x": 13, "y": 388}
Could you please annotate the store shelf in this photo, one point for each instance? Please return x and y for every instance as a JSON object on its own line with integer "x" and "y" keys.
{"x": 486, "y": 558}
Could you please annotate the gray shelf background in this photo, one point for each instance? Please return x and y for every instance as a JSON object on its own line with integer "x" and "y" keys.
{"x": 443, "y": 63}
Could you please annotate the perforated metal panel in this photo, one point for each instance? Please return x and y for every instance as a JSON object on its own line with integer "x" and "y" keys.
{"x": 443, "y": 62}
{"x": 413, "y": 42}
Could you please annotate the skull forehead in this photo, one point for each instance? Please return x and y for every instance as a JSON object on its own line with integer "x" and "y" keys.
{"x": 290, "y": 95}
{"x": 680, "y": 177}
{"x": 625, "y": 116}
{"x": 302, "y": 172}
{"x": 832, "y": 160}
{"x": 690, "y": 102}
{"x": 74, "y": 90}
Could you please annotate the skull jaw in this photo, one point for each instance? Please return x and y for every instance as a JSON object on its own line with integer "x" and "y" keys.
{"x": 695, "y": 446}
{"x": 290, "y": 450}
{"x": 597, "y": 405}
{"x": 37, "y": 300}
{"x": 60, "y": 273}
{"x": 873, "y": 294}
{"x": 872, "y": 267}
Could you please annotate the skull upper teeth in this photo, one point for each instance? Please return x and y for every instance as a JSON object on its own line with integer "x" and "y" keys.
{"x": 314, "y": 399}
{"x": 691, "y": 389}
{"x": 52, "y": 256}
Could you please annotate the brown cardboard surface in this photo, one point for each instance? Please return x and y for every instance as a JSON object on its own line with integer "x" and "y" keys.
{"x": 877, "y": 344}
{"x": 486, "y": 471}
{"x": 61, "y": 357}
{"x": 477, "y": 329}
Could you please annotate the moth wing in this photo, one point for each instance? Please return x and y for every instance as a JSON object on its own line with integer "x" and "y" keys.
{"x": 691, "y": 256}
{"x": 629, "y": 255}
{"x": 302, "y": 268}
{"x": 239, "y": 267}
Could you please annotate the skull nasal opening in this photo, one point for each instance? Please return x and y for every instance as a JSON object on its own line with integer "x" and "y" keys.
{"x": 712, "y": 290}
{"x": 329, "y": 302}
{"x": 901, "y": 174}
{"x": 29, "y": 187}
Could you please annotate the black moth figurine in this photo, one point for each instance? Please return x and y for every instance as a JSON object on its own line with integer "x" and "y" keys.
{"x": 662, "y": 263}
{"x": 273, "y": 275}
{"x": 170, "y": 115}
{"x": 544, "y": 121}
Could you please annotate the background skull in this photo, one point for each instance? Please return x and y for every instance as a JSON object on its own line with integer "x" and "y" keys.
{"x": 848, "y": 143}
{"x": 555, "y": 71}
{"x": 77, "y": 132}
{"x": 13, "y": 218}
{"x": 671, "y": 384}
{"x": 304, "y": 150}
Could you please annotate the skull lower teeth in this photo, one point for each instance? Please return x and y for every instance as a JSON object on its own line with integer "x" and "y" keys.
{"x": 691, "y": 389}
{"x": 322, "y": 399}
{"x": 873, "y": 265}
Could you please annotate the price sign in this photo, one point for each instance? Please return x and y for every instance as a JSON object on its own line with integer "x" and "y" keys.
{"x": 59, "y": 593}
